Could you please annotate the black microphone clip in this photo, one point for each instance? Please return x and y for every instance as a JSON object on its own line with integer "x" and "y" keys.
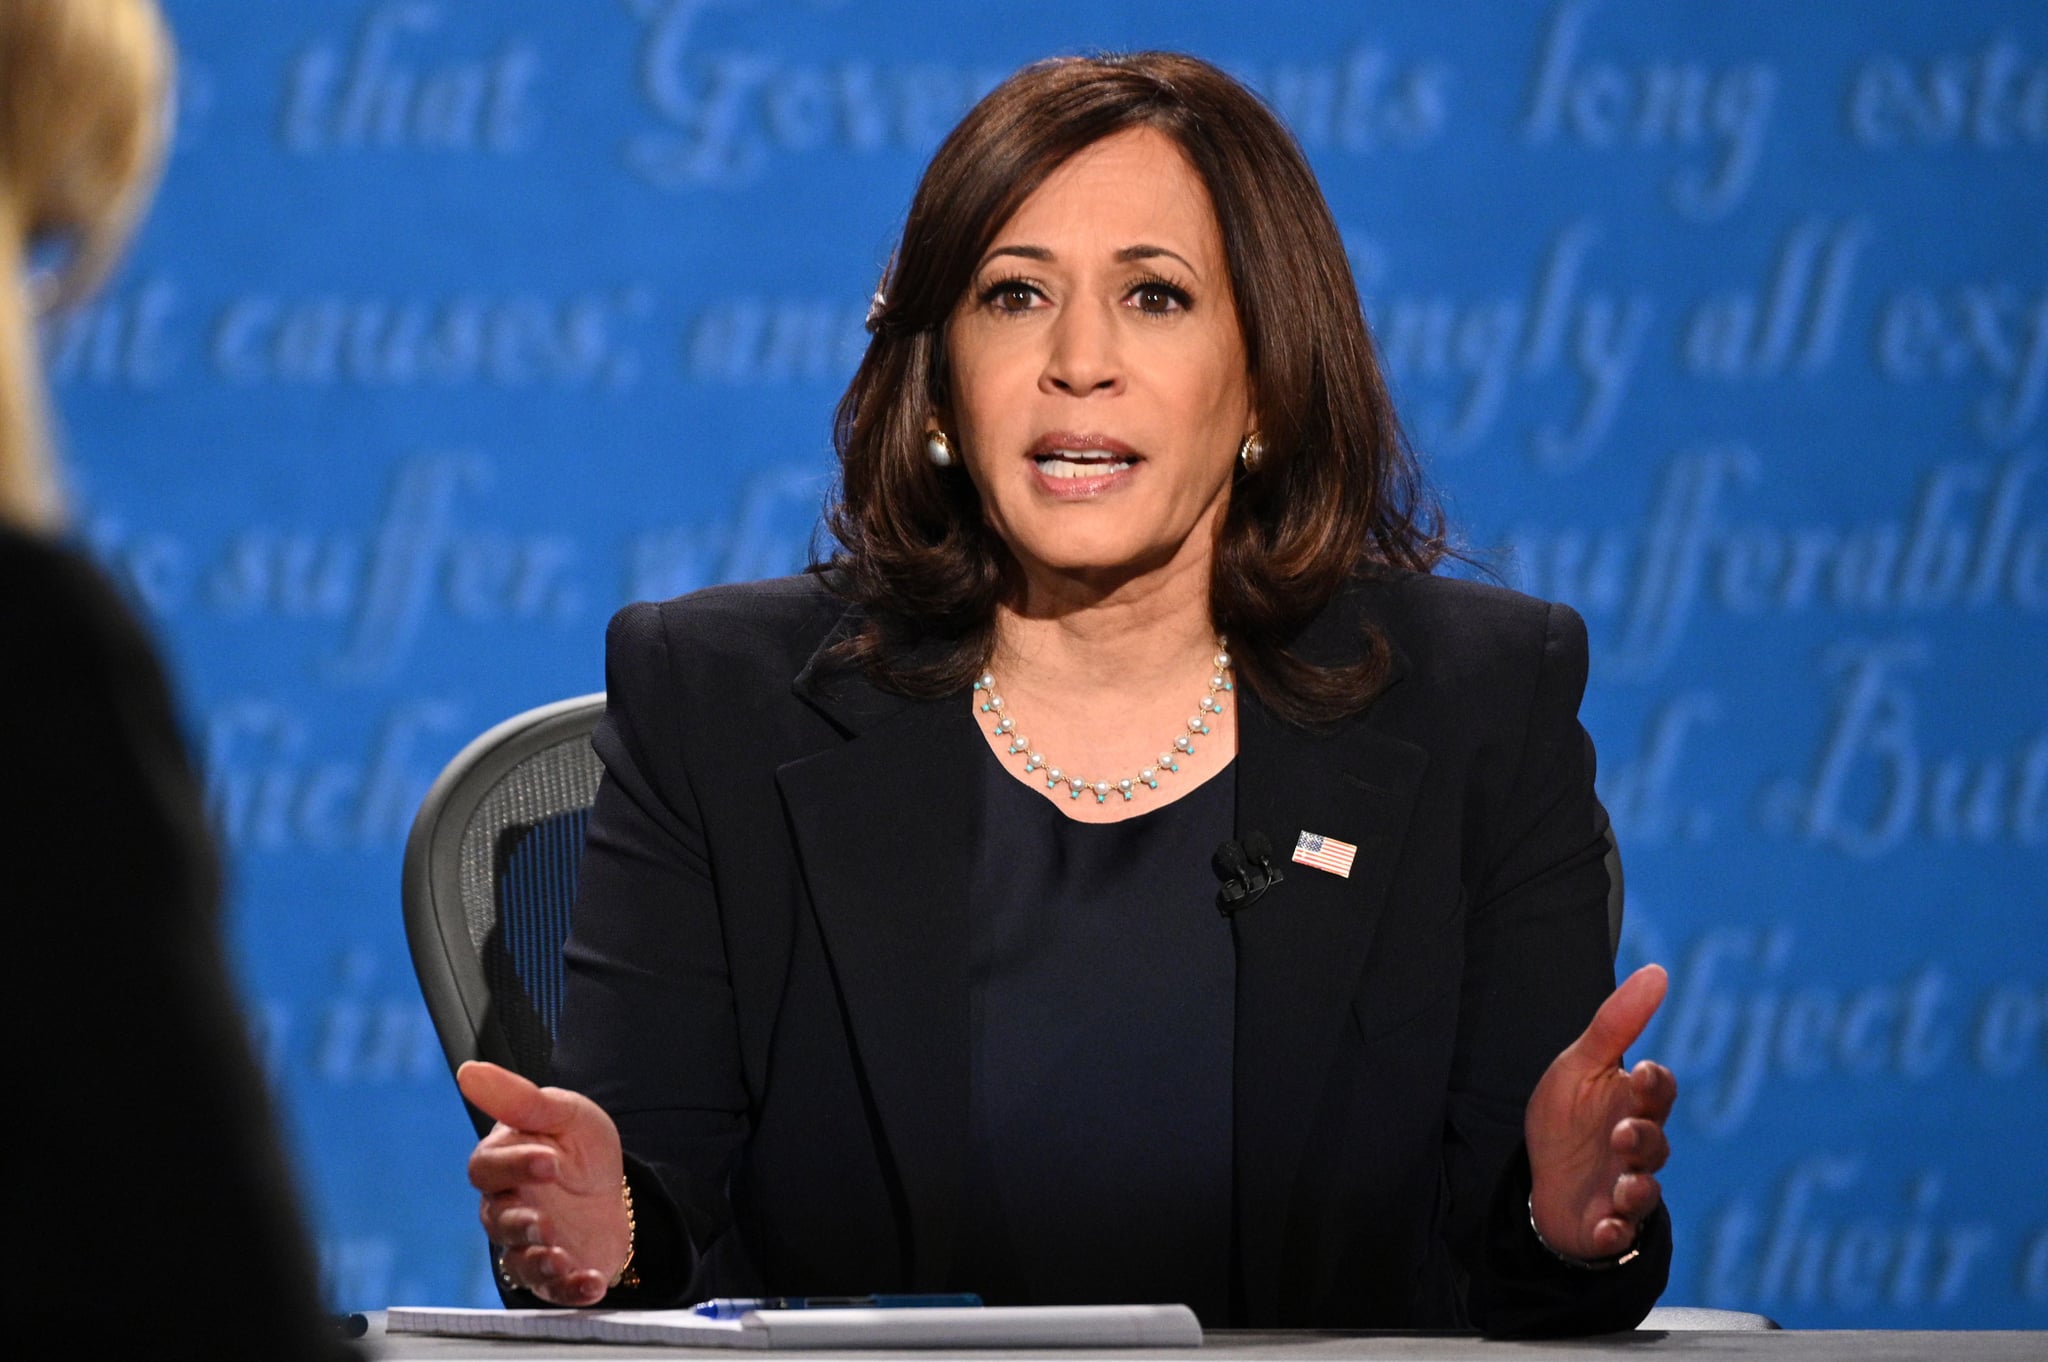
{"x": 1247, "y": 872}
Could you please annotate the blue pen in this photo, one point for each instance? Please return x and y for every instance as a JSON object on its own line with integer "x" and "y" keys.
{"x": 727, "y": 1307}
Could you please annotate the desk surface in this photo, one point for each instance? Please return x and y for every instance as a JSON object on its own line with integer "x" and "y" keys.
{"x": 1784, "y": 1346}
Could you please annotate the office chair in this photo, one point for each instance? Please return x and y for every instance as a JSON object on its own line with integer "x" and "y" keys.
{"x": 1615, "y": 896}
{"x": 490, "y": 878}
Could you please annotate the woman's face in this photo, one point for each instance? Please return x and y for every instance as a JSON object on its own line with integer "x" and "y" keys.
{"x": 1098, "y": 377}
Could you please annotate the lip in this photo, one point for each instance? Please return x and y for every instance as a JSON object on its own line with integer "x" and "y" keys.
{"x": 1081, "y": 489}
{"x": 1069, "y": 439}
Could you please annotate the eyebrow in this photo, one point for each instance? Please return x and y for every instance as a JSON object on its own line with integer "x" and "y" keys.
{"x": 1141, "y": 251}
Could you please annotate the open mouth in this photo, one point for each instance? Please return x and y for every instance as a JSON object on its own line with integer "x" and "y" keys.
{"x": 1081, "y": 463}
{"x": 1080, "y": 457}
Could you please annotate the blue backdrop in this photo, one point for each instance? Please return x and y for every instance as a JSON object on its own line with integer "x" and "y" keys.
{"x": 458, "y": 325}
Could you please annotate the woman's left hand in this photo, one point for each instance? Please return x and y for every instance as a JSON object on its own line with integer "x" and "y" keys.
{"x": 1596, "y": 1131}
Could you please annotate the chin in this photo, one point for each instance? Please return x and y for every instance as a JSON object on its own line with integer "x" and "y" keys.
{"x": 1100, "y": 556}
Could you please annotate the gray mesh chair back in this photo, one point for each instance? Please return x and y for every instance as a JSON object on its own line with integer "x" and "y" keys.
{"x": 1616, "y": 898}
{"x": 489, "y": 881}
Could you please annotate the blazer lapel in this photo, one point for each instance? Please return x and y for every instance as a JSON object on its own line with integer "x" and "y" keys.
{"x": 1302, "y": 948}
{"x": 885, "y": 827}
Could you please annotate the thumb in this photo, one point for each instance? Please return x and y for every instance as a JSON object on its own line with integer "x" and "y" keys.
{"x": 1622, "y": 1017}
{"x": 516, "y": 1100}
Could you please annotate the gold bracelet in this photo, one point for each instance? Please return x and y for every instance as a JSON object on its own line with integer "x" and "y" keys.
{"x": 626, "y": 1276}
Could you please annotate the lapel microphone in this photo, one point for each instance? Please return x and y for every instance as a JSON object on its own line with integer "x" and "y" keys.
{"x": 1246, "y": 870}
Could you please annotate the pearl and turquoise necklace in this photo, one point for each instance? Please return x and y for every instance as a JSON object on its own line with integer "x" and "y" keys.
{"x": 1209, "y": 706}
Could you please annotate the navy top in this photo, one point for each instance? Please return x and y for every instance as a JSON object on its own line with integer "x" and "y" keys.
{"x": 1102, "y": 1000}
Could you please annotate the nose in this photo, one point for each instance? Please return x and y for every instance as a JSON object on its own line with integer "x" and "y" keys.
{"x": 1084, "y": 355}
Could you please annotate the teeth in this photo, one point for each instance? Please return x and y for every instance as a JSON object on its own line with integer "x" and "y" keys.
{"x": 1080, "y": 464}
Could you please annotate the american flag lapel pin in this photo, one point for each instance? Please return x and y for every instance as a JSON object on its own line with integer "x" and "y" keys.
{"x": 1324, "y": 853}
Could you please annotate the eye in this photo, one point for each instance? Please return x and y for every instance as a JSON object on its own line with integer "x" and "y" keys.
{"x": 1011, "y": 295}
{"x": 1157, "y": 297}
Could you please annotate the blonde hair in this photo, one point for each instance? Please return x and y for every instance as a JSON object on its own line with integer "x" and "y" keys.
{"x": 83, "y": 88}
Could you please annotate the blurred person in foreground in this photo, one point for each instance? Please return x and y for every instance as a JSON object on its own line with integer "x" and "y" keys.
{"x": 159, "y": 1209}
{"x": 896, "y": 963}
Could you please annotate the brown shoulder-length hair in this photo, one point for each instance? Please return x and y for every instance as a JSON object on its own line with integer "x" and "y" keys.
{"x": 1337, "y": 494}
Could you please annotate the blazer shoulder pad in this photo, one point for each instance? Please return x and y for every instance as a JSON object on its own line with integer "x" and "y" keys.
{"x": 1450, "y": 627}
{"x": 743, "y": 631}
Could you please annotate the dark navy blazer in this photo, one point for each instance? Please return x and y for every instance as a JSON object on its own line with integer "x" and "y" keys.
{"x": 768, "y": 966}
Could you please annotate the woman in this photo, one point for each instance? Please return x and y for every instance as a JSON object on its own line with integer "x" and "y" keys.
{"x": 151, "y": 1113}
{"x": 878, "y": 1000}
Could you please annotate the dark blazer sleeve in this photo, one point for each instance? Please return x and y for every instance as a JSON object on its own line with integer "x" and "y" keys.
{"x": 144, "y": 1116}
{"x": 649, "y": 1028}
{"x": 1537, "y": 966}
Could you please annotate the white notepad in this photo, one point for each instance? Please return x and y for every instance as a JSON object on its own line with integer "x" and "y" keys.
{"x": 992, "y": 1326}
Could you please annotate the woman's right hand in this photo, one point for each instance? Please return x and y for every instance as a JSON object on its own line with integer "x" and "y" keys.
{"x": 550, "y": 1173}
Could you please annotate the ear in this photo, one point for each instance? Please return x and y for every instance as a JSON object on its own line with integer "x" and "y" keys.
{"x": 939, "y": 416}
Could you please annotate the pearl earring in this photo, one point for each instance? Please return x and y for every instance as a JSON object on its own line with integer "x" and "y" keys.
{"x": 939, "y": 449}
{"x": 1250, "y": 452}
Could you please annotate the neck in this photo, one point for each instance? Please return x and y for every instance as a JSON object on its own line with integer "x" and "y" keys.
{"x": 1085, "y": 637}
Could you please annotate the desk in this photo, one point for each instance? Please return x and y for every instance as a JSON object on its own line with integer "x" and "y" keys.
{"x": 1863, "y": 1345}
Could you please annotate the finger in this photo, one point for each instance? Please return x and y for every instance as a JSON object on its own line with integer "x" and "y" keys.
{"x": 1636, "y": 1195}
{"x": 534, "y": 1267}
{"x": 492, "y": 1211}
{"x": 1642, "y": 1145}
{"x": 546, "y": 1273}
{"x": 515, "y": 1227}
{"x": 1615, "y": 1234}
{"x": 510, "y": 1167}
{"x": 583, "y": 1288}
{"x": 1622, "y": 1017}
{"x": 1654, "y": 1088}
{"x": 517, "y": 1101}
